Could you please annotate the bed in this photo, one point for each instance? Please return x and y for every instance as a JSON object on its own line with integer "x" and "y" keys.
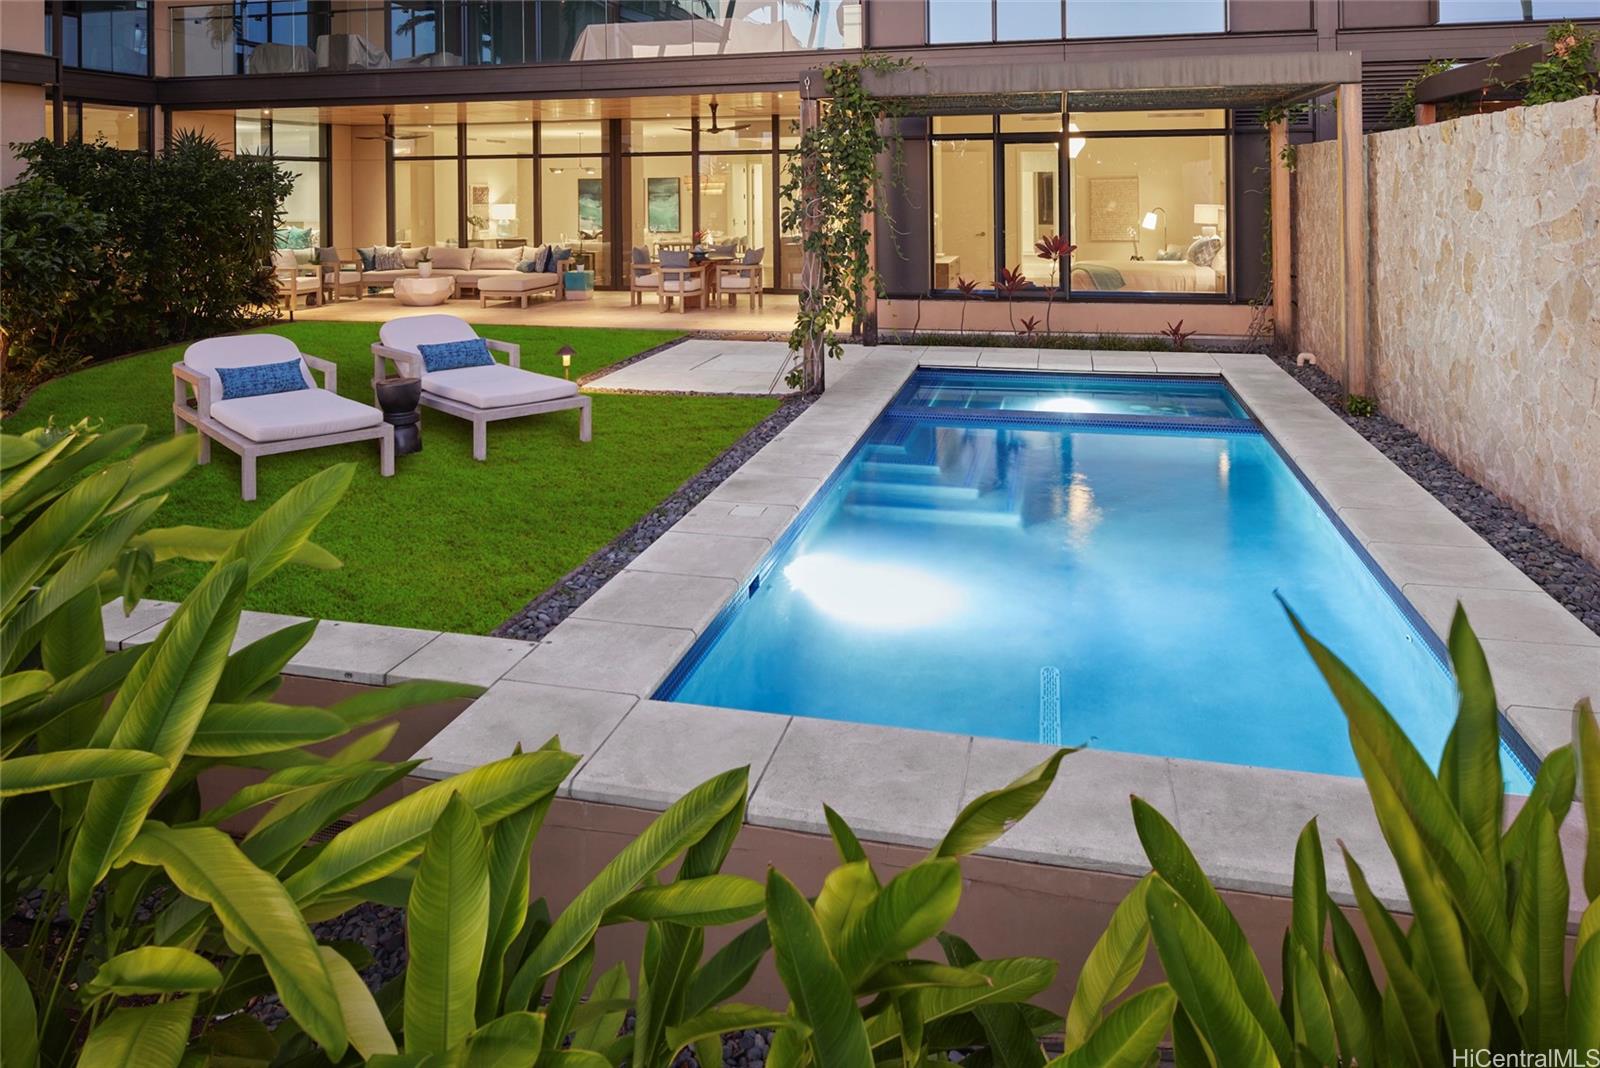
{"x": 1149, "y": 276}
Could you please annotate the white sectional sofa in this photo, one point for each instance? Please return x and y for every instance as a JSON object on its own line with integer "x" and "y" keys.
{"x": 468, "y": 265}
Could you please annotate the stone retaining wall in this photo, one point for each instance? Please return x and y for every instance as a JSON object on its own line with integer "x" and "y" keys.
{"x": 1484, "y": 332}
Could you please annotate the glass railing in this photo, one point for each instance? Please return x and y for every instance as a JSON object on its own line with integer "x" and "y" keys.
{"x": 290, "y": 36}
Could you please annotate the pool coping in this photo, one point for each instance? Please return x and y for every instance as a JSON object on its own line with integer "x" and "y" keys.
{"x": 590, "y": 678}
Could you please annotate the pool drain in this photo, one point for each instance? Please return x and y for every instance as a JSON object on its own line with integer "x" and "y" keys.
{"x": 1050, "y": 705}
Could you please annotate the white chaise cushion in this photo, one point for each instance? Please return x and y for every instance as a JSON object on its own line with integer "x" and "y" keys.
{"x": 305, "y": 413}
{"x": 242, "y": 350}
{"x": 413, "y": 330}
{"x": 498, "y": 386}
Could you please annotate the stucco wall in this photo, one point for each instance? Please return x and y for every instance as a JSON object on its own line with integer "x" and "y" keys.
{"x": 1484, "y": 329}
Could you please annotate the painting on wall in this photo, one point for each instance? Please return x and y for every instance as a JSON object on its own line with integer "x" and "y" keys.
{"x": 1113, "y": 208}
{"x": 662, "y": 210}
{"x": 1044, "y": 198}
{"x": 480, "y": 196}
{"x": 590, "y": 215}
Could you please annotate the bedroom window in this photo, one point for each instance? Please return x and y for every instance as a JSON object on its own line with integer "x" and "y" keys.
{"x": 1149, "y": 204}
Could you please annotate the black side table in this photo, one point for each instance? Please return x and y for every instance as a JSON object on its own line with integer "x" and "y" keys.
{"x": 399, "y": 398}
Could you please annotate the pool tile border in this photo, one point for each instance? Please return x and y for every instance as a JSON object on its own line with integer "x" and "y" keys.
{"x": 590, "y": 678}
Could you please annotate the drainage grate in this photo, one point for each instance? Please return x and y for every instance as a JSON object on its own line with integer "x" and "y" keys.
{"x": 1050, "y": 705}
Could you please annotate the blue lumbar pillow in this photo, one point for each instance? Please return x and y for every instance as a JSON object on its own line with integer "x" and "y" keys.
{"x": 260, "y": 379}
{"x": 527, "y": 266}
{"x": 449, "y": 355}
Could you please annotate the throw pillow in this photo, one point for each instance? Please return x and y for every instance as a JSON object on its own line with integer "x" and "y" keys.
{"x": 451, "y": 258}
{"x": 260, "y": 379}
{"x": 328, "y": 259}
{"x": 388, "y": 259}
{"x": 559, "y": 254}
{"x": 753, "y": 256}
{"x": 1202, "y": 250}
{"x": 449, "y": 355}
{"x": 641, "y": 255}
{"x": 527, "y": 266}
{"x": 369, "y": 256}
{"x": 543, "y": 261}
{"x": 672, "y": 258}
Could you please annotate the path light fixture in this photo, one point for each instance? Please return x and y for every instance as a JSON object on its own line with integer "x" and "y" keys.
{"x": 565, "y": 352}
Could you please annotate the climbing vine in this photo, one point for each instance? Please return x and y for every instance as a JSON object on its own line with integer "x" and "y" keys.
{"x": 830, "y": 184}
{"x": 1567, "y": 70}
{"x": 1403, "y": 108}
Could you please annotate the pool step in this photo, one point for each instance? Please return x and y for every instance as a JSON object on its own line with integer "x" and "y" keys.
{"x": 911, "y": 493}
{"x": 899, "y": 471}
{"x": 944, "y": 516}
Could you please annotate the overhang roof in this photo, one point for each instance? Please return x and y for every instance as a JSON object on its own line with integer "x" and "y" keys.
{"x": 1237, "y": 81}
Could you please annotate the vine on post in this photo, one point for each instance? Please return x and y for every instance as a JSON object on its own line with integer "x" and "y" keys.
{"x": 829, "y": 186}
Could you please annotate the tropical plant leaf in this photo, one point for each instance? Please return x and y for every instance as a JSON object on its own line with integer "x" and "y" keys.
{"x": 153, "y": 970}
{"x": 19, "y": 1019}
{"x": 1011, "y": 980}
{"x": 447, "y": 925}
{"x": 1112, "y": 965}
{"x": 910, "y": 909}
{"x": 1309, "y": 903}
{"x": 363, "y": 1020}
{"x": 256, "y": 912}
{"x": 1353, "y": 1024}
{"x": 729, "y": 969}
{"x": 384, "y": 841}
{"x": 14, "y": 449}
{"x": 235, "y": 730}
{"x": 28, "y": 556}
{"x": 1540, "y": 931}
{"x": 899, "y": 976}
{"x": 157, "y": 710}
{"x": 1480, "y": 791}
{"x": 88, "y": 684}
{"x": 209, "y": 544}
{"x": 285, "y": 527}
{"x": 844, "y": 837}
{"x": 1170, "y": 856}
{"x": 257, "y": 664}
{"x": 989, "y": 815}
{"x": 1128, "y": 1036}
{"x": 845, "y": 894}
{"x": 1583, "y": 1019}
{"x": 1009, "y": 1038}
{"x": 571, "y": 981}
{"x": 822, "y": 997}
{"x": 1313, "y": 1015}
{"x": 150, "y": 1036}
{"x": 681, "y": 825}
{"x": 68, "y": 767}
{"x": 1412, "y": 1006}
{"x": 702, "y": 902}
{"x": 731, "y": 1017}
{"x": 1440, "y": 931}
{"x": 510, "y": 843}
{"x": 598, "y": 1030}
{"x": 1553, "y": 790}
{"x": 1200, "y": 973}
{"x": 1475, "y": 889}
{"x": 1586, "y": 741}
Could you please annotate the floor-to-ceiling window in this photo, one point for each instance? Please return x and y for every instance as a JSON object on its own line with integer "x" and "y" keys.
{"x": 500, "y": 192}
{"x": 972, "y": 21}
{"x": 735, "y": 173}
{"x": 297, "y": 141}
{"x": 660, "y": 190}
{"x": 963, "y": 200}
{"x": 105, "y": 35}
{"x": 575, "y": 192}
{"x": 1149, "y": 201}
{"x": 124, "y": 127}
{"x": 427, "y": 184}
{"x": 1144, "y": 199}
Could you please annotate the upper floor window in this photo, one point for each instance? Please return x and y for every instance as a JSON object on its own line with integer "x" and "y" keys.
{"x": 964, "y": 21}
{"x": 105, "y": 35}
{"x": 1516, "y": 10}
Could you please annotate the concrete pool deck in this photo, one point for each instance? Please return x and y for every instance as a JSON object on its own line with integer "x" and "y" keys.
{"x": 589, "y": 679}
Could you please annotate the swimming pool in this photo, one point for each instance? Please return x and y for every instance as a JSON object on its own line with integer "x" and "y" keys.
{"x": 1074, "y": 559}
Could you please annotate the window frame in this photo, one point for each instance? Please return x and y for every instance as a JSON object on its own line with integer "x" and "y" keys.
{"x": 74, "y": 18}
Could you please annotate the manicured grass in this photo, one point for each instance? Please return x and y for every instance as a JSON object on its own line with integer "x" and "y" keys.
{"x": 447, "y": 543}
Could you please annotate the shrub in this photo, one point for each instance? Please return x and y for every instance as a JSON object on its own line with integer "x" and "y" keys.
{"x": 1568, "y": 69}
{"x": 155, "y": 250}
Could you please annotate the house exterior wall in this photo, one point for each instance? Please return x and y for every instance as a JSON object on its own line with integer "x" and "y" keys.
{"x": 1484, "y": 334}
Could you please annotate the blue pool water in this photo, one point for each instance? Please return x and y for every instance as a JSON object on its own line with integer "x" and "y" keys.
{"x": 1087, "y": 560}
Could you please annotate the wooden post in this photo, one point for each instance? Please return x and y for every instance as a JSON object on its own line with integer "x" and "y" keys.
{"x": 869, "y": 299}
{"x": 1282, "y": 252}
{"x": 813, "y": 358}
{"x": 1353, "y": 223}
{"x": 1427, "y": 114}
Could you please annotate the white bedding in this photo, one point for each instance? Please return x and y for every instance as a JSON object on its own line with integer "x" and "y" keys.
{"x": 1152, "y": 276}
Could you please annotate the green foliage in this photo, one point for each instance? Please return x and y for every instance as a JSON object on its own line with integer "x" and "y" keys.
{"x": 1359, "y": 406}
{"x": 1481, "y": 967}
{"x": 108, "y": 251}
{"x": 1568, "y": 67}
{"x": 831, "y": 186}
{"x": 1403, "y": 108}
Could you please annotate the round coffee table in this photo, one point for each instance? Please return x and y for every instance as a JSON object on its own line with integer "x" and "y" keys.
{"x": 399, "y": 398}
{"x": 424, "y": 292}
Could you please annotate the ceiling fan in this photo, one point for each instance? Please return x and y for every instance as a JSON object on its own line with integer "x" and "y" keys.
{"x": 389, "y": 137}
{"x": 714, "y": 128}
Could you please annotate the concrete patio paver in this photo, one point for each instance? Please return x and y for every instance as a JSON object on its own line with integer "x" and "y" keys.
{"x": 468, "y": 658}
{"x": 686, "y": 602}
{"x": 357, "y": 652}
{"x": 596, "y": 654}
{"x": 708, "y": 555}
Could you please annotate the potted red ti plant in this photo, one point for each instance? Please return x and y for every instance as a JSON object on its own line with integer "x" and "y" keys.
{"x": 1054, "y": 249}
{"x": 1177, "y": 335}
{"x": 1010, "y": 282}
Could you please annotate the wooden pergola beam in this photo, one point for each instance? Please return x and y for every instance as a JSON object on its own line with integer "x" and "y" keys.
{"x": 1282, "y": 250}
{"x": 1352, "y": 240}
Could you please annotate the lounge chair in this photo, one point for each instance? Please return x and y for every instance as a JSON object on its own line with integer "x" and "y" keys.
{"x": 481, "y": 394}
{"x": 262, "y": 424}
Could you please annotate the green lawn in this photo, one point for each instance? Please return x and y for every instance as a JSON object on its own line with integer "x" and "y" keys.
{"x": 447, "y": 543}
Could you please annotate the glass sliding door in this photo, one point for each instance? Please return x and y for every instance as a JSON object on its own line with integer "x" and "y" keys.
{"x": 661, "y": 202}
{"x": 575, "y": 193}
{"x": 963, "y": 212}
{"x": 427, "y": 199}
{"x": 1031, "y": 193}
{"x": 500, "y": 202}
{"x": 736, "y": 200}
